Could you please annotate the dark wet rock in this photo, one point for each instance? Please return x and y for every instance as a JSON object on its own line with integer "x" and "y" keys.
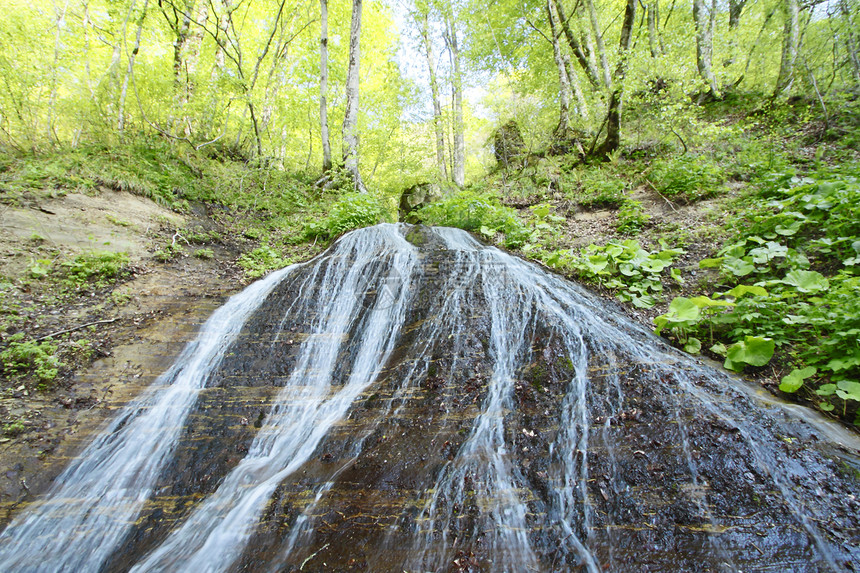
{"x": 418, "y": 196}
{"x": 514, "y": 423}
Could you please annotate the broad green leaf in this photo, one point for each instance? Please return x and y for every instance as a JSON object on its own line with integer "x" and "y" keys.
{"x": 806, "y": 281}
{"x": 645, "y": 301}
{"x": 738, "y": 267}
{"x": 710, "y": 263}
{"x": 693, "y": 345}
{"x": 741, "y": 290}
{"x": 794, "y": 380}
{"x": 706, "y": 302}
{"x": 848, "y": 390}
{"x": 826, "y": 406}
{"x": 790, "y": 229}
{"x": 655, "y": 265}
{"x": 676, "y": 274}
{"x": 541, "y": 211}
{"x": 682, "y": 308}
{"x": 753, "y": 350}
{"x": 682, "y": 311}
{"x": 719, "y": 349}
{"x": 844, "y": 362}
{"x": 729, "y": 364}
{"x": 826, "y": 390}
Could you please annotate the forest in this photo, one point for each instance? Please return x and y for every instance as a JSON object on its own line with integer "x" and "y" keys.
{"x": 696, "y": 162}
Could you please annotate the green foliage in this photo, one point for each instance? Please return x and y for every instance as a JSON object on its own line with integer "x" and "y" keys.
{"x": 752, "y": 350}
{"x": 168, "y": 252}
{"x": 30, "y": 357}
{"x": 204, "y": 254}
{"x": 686, "y": 177}
{"x": 794, "y": 379}
{"x": 625, "y": 267}
{"x": 479, "y": 212}
{"x": 15, "y": 428}
{"x": 100, "y": 267}
{"x": 797, "y": 253}
{"x": 594, "y": 186}
{"x": 352, "y": 211}
{"x": 262, "y": 260}
{"x": 631, "y": 217}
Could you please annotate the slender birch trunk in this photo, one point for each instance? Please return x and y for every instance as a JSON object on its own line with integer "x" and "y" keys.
{"x": 326, "y": 145}
{"x": 350, "y": 120}
{"x": 705, "y": 45}
{"x": 459, "y": 166}
{"x": 601, "y": 49}
{"x": 564, "y": 81}
{"x": 130, "y": 69}
{"x": 582, "y": 53}
{"x": 438, "y": 126}
{"x": 790, "y": 41}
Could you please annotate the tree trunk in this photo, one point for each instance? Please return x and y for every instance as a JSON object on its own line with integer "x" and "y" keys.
{"x": 613, "y": 114}
{"x": 564, "y": 81}
{"x": 583, "y": 54}
{"x": 601, "y": 49}
{"x": 350, "y": 120}
{"x": 438, "y": 127}
{"x": 851, "y": 40}
{"x": 655, "y": 42}
{"x": 52, "y": 102}
{"x": 459, "y": 166}
{"x": 581, "y": 103}
{"x": 326, "y": 145}
{"x": 790, "y": 40}
{"x": 705, "y": 44}
{"x": 130, "y": 69}
{"x": 190, "y": 57}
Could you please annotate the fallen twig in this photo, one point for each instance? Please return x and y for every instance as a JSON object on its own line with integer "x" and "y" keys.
{"x": 74, "y": 329}
{"x": 660, "y": 194}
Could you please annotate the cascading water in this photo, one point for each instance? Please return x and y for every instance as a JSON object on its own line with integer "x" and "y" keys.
{"x": 412, "y": 400}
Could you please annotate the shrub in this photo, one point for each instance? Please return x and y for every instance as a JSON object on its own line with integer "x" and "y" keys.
{"x": 687, "y": 177}
{"x": 479, "y": 212}
{"x": 352, "y": 211}
{"x": 262, "y": 260}
{"x": 38, "y": 358}
{"x": 102, "y": 266}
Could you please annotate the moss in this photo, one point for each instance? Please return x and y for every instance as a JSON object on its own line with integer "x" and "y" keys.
{"x": 417, "y": 236}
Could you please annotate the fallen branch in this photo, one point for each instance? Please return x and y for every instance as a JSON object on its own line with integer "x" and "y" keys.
{"x": 74, "y": 329}
{"x": 660, "y": 194}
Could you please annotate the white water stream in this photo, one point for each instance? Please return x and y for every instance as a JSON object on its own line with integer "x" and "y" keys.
{"x": 86, "y": 515}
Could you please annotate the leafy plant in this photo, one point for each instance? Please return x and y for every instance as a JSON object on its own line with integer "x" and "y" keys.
{"x": 102, "y": 267}
{"x": 687, "y": 177}
{"x": 479, "y": 212}
{"x": 352, "y": 211}
{"x": 594, "y": 186}
{"x": 262, "y": 260}
{"x": 27, "y": 356}
{"x": 624, "y": 267}
{"x": 631, "y": 216}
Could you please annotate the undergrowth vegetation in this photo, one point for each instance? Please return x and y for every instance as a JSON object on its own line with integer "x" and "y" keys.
{"x": 773, "y": 289}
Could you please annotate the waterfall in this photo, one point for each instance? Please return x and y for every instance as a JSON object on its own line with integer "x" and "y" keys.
{"x": 428, "y": 403}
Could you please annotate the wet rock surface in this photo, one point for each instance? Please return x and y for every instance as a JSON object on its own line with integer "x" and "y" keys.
{"x": 434, "y": 405}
